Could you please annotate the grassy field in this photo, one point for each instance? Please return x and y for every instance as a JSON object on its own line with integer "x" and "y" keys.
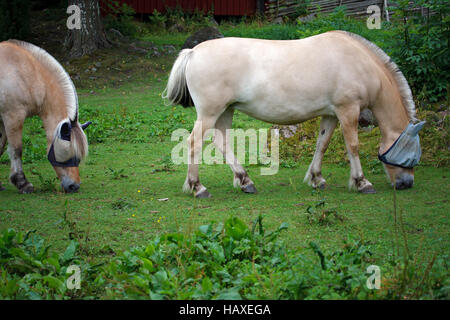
{"x": 128, "y": 172}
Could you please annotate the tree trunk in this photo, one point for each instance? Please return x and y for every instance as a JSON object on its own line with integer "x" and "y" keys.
{"x": 260, "y": 7}
{"x": 91, "y": 36}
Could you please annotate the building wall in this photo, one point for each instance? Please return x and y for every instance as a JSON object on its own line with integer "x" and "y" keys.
{"x": 221, "y": 7}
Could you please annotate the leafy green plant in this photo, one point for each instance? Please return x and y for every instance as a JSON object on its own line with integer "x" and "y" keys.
{"x": 232, "y": 261}
{"x": 117, "y": 173}
{"x": 175, "y": 18}
{"x": 228, "y": 260}
{"x": 120, "y": 18}
{"x": 317, "y": 214}
{"x": 302, "y": 7}
{"x": 158, "y": 20}
{"x": 29, "y": 271}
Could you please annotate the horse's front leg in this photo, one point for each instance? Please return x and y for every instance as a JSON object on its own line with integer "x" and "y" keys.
{"x": 314, "y": 174}
{"x": 221, "y": 140}
{"x": 195, "y": 144}
{"x": 348, "y": 117}
{"x": 13, "y": 128}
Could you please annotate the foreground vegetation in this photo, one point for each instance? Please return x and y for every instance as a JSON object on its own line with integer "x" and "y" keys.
{"x": 134, "y": 234}
{"x": 224, "y": 261}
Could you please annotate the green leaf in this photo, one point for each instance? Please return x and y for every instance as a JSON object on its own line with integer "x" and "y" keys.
{"x": 147, "y": 264}
{"x": 54, "y": 262}
{"x": 283, "y": 226}
{"x": 33, "y": 295}
{"x": 69, "y": 254}
{"x": 156, "y": 296}
{"x": 43, "y": 253}
{"x": 229, "y": 294}
{"x": 11, "y": 287}
{"x": 317, "y": 250}
{"x": 149, "y": 250}
{"x": 207, "y": 285}
{"x": 55, "y": 283}
{"x": 205, "y": 229}
{"x": 236, "y": 228}
{"x": 26, "y": 257}
{"x": 160, "y": 280}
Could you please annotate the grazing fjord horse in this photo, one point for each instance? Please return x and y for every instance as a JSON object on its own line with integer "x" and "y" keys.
{"x": 32, "y": 83}
{"x": 332, "y": 75}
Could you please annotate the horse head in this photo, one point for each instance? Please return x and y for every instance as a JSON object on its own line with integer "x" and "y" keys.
{"x": 401, "y": 158}
{"x": 68, "y": 149}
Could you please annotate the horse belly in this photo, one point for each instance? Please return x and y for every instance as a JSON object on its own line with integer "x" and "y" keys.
{"x": 284, "y": 102}
{"x": 284, "y": 113}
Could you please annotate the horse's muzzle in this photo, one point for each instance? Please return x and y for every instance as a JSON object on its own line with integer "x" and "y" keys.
{"x": 404, "y": 181}
{"x": 69, "y": 186}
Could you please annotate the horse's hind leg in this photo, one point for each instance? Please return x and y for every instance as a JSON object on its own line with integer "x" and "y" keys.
{"x": 241, "y": 177}
{"x": 314, "y": 174}
{"x": 195, "y": 144}
{"x": 13, "y": 128}
{"x": 2, "y": 143}
{"x": 348, "y": 117}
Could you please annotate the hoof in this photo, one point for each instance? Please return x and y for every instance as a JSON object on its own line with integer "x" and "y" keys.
{"x": 203, "y": 194}
{"x": 28, "y": 188}
{"x": 249, "y": 188}
{"x": 368, "y": 190}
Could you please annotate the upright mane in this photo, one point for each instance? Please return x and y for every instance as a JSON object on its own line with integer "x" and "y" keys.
{"x": 402, "y": 84}
{"x": 58, "y": 71}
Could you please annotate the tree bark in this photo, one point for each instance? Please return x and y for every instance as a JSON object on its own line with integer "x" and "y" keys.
{"x": 91, "y": 36}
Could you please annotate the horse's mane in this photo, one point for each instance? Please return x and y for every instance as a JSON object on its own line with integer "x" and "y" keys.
{"x": 402, "y": 84}
{"x": 58, "y": 71}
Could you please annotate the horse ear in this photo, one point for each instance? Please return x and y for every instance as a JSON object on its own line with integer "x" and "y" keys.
{"x": 64, "y": 131}
{"x": 85, "y": 125}
{"x": 418, "y": 127}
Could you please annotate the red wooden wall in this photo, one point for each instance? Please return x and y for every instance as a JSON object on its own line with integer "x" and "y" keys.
{"x": 221, "y": 7}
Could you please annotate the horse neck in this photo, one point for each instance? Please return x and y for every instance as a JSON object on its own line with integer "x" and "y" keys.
{"x": 391, "y": 116}
{"x": 54, "y": 108}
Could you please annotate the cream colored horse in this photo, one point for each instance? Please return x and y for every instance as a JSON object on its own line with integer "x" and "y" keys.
{"x": 332, "y": 75}
{"x": 33, "y": 83}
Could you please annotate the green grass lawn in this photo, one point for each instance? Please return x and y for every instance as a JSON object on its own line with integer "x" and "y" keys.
{"x": 125, "y": 175}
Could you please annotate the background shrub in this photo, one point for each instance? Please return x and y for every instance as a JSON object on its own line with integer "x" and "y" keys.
{"x": 14, "y": 19}
{"x": 422, "y": 50}
{"x": 120, "y": 18}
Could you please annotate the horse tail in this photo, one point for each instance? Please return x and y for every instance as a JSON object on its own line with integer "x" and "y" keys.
{"x": 177, "y": 91}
